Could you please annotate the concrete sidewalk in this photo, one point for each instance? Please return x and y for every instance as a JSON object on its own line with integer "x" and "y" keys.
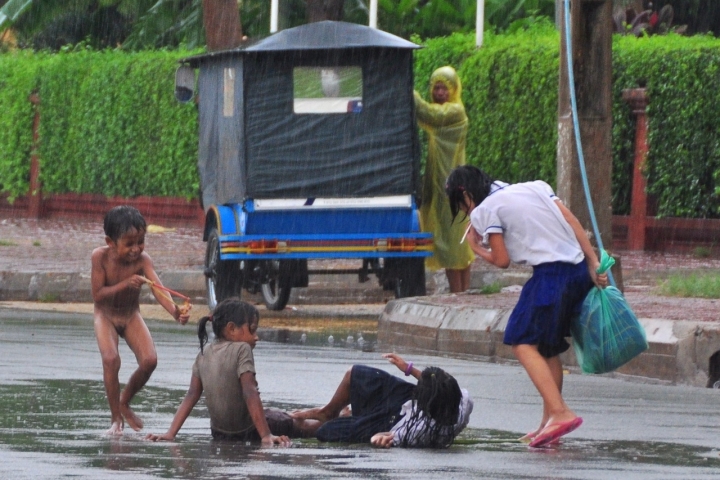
{"x": 683, "y": 349}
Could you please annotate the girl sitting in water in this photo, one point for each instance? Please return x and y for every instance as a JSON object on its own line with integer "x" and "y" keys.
{"x": 226, "y": 373}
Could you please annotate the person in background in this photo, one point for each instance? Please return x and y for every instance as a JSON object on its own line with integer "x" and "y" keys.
{"x": 445, "y": 122}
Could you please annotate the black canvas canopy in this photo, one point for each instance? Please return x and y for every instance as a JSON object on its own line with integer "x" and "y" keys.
{"x": 255, "y": 144}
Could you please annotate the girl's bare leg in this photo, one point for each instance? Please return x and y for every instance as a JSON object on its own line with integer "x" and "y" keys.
{"x": 546, "y": 375}
{"x": 556, "y": 370}
{"x": 107, "y": 339}
{"x": 140, "y": 342}
{"x": 337, "y": 403}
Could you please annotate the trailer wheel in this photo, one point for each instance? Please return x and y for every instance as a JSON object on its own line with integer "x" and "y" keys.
{"x": 276, "y": 290}
{"x": 410, "y": 278}
{"x": 222, "y": 277}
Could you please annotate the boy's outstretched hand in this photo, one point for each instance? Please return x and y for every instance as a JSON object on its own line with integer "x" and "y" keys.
{"x": 182, "y": 313}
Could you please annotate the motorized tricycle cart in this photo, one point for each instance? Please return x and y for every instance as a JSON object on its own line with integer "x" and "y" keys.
{"x": 308, "y": 150}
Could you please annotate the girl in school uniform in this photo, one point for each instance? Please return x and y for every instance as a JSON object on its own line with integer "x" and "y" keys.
{"x": 526, "y": 223}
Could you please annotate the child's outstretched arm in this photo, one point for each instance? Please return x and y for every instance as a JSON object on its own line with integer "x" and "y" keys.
{"x": 180, "y": 315}
{"x": 405, "y": 367}
{"x": 191, "y": 398}
{"x": 255, "y": 407}
{"x": 585, "y": 245}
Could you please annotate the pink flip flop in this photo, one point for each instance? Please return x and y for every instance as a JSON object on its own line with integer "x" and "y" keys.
{"x": 553, "y": 432}
{"x": 527, "y": 438}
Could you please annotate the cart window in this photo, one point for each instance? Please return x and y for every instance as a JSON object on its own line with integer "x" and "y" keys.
{"x": 327, "y": 89}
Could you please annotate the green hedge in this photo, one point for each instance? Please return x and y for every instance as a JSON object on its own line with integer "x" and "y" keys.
{"x": 17, "y": 81}
{"x": 683, "y": 82}
{"x": 111, "y": 125}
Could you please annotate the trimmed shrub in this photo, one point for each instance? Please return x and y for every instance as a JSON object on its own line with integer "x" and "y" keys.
{"x": 17, "y": 82}
{"x": 110, "y": 123}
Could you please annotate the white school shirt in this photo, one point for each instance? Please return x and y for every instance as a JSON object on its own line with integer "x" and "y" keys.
{"x": 400, "y": 430}
{"x": 532, "y": 225}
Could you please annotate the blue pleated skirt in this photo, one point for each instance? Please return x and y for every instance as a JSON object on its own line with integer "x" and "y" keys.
{"x": 549, "y": 301}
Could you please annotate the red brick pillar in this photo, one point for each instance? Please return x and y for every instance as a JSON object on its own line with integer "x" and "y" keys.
{"x": 638, "y": 100}
{"x": 35, "y": 206}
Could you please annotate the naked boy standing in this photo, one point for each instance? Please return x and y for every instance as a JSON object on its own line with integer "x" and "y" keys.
{"x": 119, "y": 270}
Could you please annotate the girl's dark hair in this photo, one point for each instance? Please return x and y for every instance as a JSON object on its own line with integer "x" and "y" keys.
{"x": 437, "y": 396}
{"x": 467, "y": 179}
{"x": 230, "y": 310}
{"x": 118, "y": 220}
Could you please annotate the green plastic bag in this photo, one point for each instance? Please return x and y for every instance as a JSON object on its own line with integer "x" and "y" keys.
{"x": 607, "y": 333}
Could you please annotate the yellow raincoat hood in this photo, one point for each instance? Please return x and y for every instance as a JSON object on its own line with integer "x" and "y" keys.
{"x": 449, "y": 77}
{"x": 446, "y": 127}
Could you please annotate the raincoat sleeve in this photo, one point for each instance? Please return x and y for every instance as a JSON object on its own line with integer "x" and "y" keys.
{"x": 433, "y": 115}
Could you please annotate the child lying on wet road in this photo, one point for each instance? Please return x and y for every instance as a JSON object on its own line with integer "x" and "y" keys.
{"x": 388, "y": 411}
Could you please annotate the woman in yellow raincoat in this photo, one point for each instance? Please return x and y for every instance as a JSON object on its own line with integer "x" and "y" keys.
{"x": 446, "y": 125}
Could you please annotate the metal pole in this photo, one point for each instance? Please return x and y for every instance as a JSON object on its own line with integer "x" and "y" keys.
{"x": 274, "y": 8}
{"x": 479, "y": 23}
{"x": 373, "y": 14}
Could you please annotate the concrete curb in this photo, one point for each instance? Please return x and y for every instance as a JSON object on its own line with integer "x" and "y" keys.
{"x": 75, "y": 287}
{"x": 681, "y": 352}
{"x": 328, "y": 289}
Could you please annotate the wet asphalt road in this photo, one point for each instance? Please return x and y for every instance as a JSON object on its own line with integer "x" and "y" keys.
{"x": 53, "y": 413}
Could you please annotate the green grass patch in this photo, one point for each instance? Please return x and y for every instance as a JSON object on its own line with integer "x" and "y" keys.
{"x": 494, "y": 287}
{"x": 702, "y": 252}
{"x": 700, "y": 285}
{"x": 49, "y": 298}
{"x": 7, "y": 243}
{"x": 36, "y": 243}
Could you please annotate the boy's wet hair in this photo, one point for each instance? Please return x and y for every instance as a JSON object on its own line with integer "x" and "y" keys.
{"x": 467, "y": 179}
{"x": 437, "y": 396}
{"x": 230, "y": 310}
{"x": 119, "y": 220}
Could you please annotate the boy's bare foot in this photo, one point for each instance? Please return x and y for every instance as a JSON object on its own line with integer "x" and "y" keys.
{"x": 115, "y": 429}
{"x": 133, "y": 420}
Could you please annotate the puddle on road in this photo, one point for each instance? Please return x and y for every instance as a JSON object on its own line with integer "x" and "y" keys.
{"x": 66, "y": 419}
